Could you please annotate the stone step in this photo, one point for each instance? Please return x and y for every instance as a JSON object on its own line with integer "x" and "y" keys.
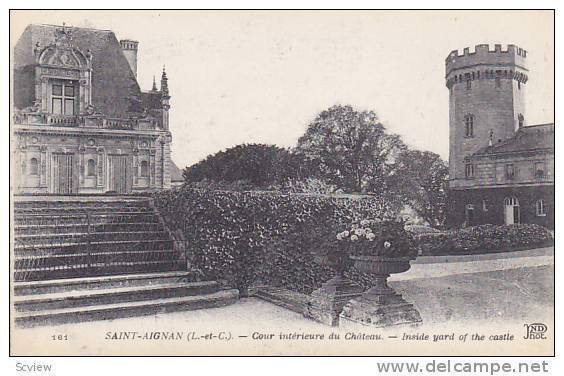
{"x": 29, "y": 220}
{"x": 82, "y": 216}
{"x": 83, "y": 237}
{"x": 84, "y": 258}
{"x": 51, "y": 228}
{"x": 295, "y": 302}
{"x": 126, "y": 309}
{"x": 77, "y": 271}
{"x": 97, "y": 202}
{"x": 102, "y": 282}
{"x": 81, "y": 298}
{"x": 29, "y": 250}
{"x": 23, "y": 213}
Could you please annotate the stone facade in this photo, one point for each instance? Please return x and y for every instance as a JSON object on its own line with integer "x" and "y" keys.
{"x": 501, "y": 170}
{"x": 81, "y": 123}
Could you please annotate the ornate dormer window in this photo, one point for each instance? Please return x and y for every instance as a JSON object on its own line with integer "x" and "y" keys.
{"x": 63, "y": 76}
{"x": 63, "y": 97}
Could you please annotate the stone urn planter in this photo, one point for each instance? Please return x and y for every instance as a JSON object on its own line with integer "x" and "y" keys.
{"x": 380, "y": 306}
{"x": 326, "y": 303}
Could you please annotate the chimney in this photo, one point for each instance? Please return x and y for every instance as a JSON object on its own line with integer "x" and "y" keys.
{"x": 129, "y": 48}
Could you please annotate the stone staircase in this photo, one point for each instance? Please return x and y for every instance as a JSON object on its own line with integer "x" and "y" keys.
{"x": 90, "y": 237}
{"x": 95, "y": 258}
{"x": 53, "y": 302}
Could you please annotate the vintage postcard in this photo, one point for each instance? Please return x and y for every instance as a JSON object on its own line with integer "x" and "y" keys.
{"x": 282, "y": 183}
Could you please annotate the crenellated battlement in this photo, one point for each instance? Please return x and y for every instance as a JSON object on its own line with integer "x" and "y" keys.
{"x": 484, "y": 55}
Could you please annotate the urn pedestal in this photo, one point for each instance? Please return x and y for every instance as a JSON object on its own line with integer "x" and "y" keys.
{"x": 326, "y": 303}
{"x": 380, "y": 306}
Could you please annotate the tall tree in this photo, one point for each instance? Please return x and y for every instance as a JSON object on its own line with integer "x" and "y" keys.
{"x": 353, "y": 150}
{"x": 425, "y": 178}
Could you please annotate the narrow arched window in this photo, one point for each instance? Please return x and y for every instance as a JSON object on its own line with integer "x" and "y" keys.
{"x": 469, "y": 125}
{"x": 33, "y": 166}
{"x": 144, "y": 169}
{"x": 91, "y": 167}
{"x": 469, "y": 171}
{"x": 541, "y": 208}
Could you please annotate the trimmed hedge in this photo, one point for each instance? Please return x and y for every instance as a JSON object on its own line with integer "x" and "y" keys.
{"x": 420, "y": 229}
{"x": 267, "y": 237}
{"x": 483, "y": 239}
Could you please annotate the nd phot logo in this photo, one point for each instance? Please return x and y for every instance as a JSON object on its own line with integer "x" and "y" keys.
{"x": 535, "y": 331}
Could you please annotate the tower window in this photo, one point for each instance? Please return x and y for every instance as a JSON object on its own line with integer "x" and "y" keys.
{"x": 469, "y": 125}
{"x": 144, "y": 169}
{"x": 539, "y": 170}
{"x": 91, "y": 168}
{"x": 509, "y": 171}
{"x": 469, "y": 171}
{"x": 33, "y": 167}
{"x": 541, "y": 208}
{"x": 468, "y": 84}
{"x": 497, "y": 82}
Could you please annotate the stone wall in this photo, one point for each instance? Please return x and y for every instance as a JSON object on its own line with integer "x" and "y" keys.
{"x": 494, "y": 205}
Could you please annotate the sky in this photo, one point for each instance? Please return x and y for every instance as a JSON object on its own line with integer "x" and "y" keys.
{"x": 262, "y": 76}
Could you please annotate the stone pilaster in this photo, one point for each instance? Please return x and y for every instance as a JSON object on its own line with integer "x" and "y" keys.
{"x": 152, "y": 166}
{"x": 43, "y": 166}
{"x": 100, "y": 181}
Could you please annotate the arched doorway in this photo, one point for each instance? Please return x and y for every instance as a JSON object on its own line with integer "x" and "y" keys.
{"x": 469, "y": 215}
{"x": 511, "y": 210}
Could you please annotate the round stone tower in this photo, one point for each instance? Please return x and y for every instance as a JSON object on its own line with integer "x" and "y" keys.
{"x": 486, "y": 101}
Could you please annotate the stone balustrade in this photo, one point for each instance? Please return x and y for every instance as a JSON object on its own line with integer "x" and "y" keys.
{"x": 84, "y": 121}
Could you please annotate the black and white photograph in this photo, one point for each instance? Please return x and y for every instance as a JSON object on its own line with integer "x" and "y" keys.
{"x": 282, "y": 183}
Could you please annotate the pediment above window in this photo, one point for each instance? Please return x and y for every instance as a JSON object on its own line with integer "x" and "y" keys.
{"x": 63, "y": 57}
{"x": 62, "y": 52}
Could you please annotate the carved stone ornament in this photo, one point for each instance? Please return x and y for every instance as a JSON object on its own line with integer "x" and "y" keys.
{"x": 63, "y": 36}
{"x": 90, "y": 110}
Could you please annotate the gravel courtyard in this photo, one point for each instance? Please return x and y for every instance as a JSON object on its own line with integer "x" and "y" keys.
{"x": 499, "y": 300}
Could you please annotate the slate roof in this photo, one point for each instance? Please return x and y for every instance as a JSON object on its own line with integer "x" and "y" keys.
{"x": 529, "y": 138}
{"x": 175, "y": 173}
{"x": 115, "y": 91}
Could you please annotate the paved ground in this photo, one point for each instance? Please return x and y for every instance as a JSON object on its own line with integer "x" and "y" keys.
{"x": 440, "y": 266}
{"x": 520, "y": 294}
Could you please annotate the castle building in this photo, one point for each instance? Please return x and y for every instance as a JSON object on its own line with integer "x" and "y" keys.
{"x": 501, "y": 169}
{"x": 81, "y": 123}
